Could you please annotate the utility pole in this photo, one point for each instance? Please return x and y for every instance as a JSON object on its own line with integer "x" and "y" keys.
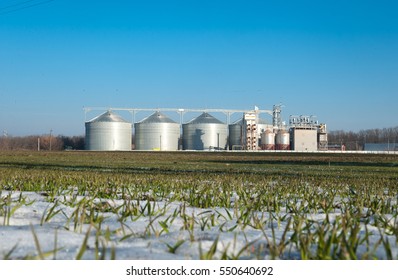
{"x": 50, "y": 138}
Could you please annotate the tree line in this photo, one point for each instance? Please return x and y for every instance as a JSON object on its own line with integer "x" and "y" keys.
{"x": 356, "y": 140}
{"x": 43, "y": 142}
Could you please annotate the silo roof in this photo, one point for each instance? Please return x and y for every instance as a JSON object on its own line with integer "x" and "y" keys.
{"x": 108, "y": 116}
{"x": 237, "y": 122}
{"x": 205, "y": 118}
{"x": 157, "y": 117}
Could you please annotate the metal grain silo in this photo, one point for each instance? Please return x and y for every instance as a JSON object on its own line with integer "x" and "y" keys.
{"x": 157, "y": 132}
{"x": 235, "y": 134}
{"x": 108, "y": 132}
{"x": 204, "y": 133}
{"x": 282, "y": 140}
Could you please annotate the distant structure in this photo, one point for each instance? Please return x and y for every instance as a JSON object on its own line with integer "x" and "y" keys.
{"x": 235, "y": 138}
{"x": 268, "y": 140}
{"x": 204, "y": 133}
{"x": 381, "y": 147}
{"x": 158, "y": 132}
{"x": 282, "y": 140}
{"x": 306, "y": 134}
{"x": 108, "y": 132}
{"x": 250, "y": 126}
{"x": 239, "y": 131}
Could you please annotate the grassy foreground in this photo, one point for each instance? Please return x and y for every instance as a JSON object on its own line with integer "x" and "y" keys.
{"x": 304, "y": 206}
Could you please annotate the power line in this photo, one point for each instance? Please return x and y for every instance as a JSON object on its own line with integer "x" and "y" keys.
{"x": 9, "y": 9}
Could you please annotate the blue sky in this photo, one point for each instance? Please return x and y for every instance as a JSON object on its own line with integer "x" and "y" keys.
{"x": 337, "y": 60}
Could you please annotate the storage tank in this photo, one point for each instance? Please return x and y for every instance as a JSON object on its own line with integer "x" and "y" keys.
{"x": 204, "y": 133}
{"x": 157, "y": 132}
{"x": 268, "y": 140}
{"x": 235, "y": 135}
{"x": 108, "y": 132}
{"x": 262, "y": 126}
{"x": 282, "y": 140}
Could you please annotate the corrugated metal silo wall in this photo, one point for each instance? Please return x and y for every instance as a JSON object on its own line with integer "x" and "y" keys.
{"x": 235, "y": 135}
{"x": 108, "y": 136}
{"x": 157, "y": 136}
{"x": 204, "y": 136}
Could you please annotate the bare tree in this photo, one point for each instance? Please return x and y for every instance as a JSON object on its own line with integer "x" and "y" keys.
{"x": 46, "y": 142}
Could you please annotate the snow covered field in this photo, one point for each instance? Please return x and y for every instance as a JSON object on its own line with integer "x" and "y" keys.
{"x": 38, "y": 229}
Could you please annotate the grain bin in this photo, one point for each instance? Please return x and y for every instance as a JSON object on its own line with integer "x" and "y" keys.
{"x": 204, "y": 133}
{"x": 157, "y": 132}
{"x": 108, "y": 132}
{"x": 235, "y": 135}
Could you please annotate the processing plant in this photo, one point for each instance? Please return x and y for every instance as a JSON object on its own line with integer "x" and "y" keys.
{"x": 159, "y": 132}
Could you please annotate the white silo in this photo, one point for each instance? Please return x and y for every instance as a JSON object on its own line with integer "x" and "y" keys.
{"x": 262, "y": 126}
{"x": 108, "y": 132}
{"x": 157, "y": 132}
{"x": 268, "y": 140}
{"x": 282, "y": 140}
{"x": 204, "y": 133}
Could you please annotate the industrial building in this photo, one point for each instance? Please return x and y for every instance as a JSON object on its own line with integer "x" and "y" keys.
{"x": 238, "y": 132}
{"x": 381, "y": 147}
{"x": 306, "y": 134}
{"x": 159, "y": 132}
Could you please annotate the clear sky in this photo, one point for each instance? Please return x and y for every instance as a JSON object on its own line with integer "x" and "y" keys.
{"x": 334, "y": 59}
